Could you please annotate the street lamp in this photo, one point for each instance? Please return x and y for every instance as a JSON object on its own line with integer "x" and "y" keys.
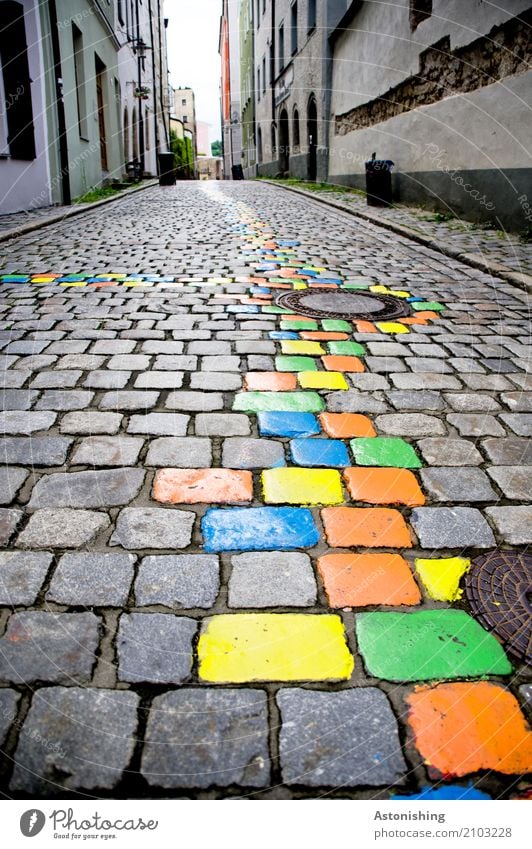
{"x": 140, "y": 47}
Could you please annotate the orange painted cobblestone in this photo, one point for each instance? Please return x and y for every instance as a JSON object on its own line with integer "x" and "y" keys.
{"x": 202, "y": 486}
{"x": 346, "y": 425}
{"x": 270, "y": 381}
{"x": 358, "y": 580}
{"x": 335, "y": 362}
{"x": 384, "y": 486}
{"x": 371, "y": 527}
{"x": 464, "y": 727}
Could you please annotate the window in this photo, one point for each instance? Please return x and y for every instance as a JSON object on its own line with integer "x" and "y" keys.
{"x": 185, "y": 119}
{"x": 258, "y": 14}
{"x": 419, "y": 11}
{"x": 311, "y": 20}
{"x": 272, "y": 63}
{"x": 17, "y": 83}
{"x": 258, "y": 84}
{"x": 293, "y": 28}
{"x": 120, "y": 8}
{"x": 264, "y": 74}
{"x": 79, "y": 74}
{"x": 295, "y": 134}
{"x": 259, "y": 138}
{"x": 183, "y": 101}
{"x": 274, "y": 143}
{"x": 263, "y": 7}
{"x": 281, "y": 47}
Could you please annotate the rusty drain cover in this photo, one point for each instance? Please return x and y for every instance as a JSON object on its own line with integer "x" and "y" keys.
{"x": 337, "y": 303}
{"x": 498, "y": 587}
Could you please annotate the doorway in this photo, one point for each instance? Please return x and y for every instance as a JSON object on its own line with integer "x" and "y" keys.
{"x": 284, "y": 143}
{"x": 312, "y": 133}
{"x": 100, "y": 101}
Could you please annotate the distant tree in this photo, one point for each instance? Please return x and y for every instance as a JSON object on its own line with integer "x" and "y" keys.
{"x": 216, "y": 148}
{"x": 183, "y": 156}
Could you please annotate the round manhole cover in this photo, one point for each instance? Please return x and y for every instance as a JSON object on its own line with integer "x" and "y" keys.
{"x": 498, "y": 587}
{"x": 335, "y": 303}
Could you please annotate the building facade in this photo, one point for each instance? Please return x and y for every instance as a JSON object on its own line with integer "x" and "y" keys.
{"x": 229, "y": 50}
{"x": 83, "y": 91}
{"x": 442, "y": 88}
{"x": 24, "y": 162}
{"x": 292, "y": 100}
{"x": 184, "y": 112}
{"x": 143, "y": 72}
{"x": 247, "y": 88}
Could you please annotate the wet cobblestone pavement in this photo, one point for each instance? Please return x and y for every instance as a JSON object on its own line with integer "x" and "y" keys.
{"x": 488, "y": 243}
{"x": 235, "y": 538}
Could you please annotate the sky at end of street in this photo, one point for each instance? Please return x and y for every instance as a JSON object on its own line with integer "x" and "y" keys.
{"x": 193, "y": 59}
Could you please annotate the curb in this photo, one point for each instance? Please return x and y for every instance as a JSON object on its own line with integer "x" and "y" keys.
{"x": 70, "y": 213}
{"x": 522, "y": 281}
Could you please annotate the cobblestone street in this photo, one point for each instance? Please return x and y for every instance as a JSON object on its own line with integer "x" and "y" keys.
{"x": 247, "y": 552}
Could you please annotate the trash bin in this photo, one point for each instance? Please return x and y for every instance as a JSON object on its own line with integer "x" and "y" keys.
{"x": 166, "y": 169}
{"x": 379, "y": 181}
{"x": 237, "y": 172}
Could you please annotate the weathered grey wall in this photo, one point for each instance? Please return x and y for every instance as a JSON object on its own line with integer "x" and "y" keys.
{"x": 469, "y": 151}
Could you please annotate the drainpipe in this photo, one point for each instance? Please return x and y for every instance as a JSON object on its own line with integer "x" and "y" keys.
{"x": 141, "y": 108}
{"x": 163, "y": 85}
{"x": 60, "y": 105}
{"x": 154, "y": 89}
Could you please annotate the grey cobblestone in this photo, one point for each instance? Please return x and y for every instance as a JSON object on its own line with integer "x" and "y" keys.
{"x": 196, "y": 402}
{"x": 159, "y": 424}
{"x": 22, "y": 574}
{"x": 108, "y": 451}
{"x": 451, "y": 484}
{"x": 223, "y": 424}
{"x": 9, "y": 519}
{"x": 449, "y": 452}
{"x": 520, "y": 423}
{"x": 313, "y": 734}
{"x": 425, "y": 381}
{"x": 514, "y": 481}
{"x": 272, "y": 579}
{"x": 465, "y": 402}
{"x": 215, "y": 381}
{"x": 243, "y": 453}
{"x": 180, "y": 452}
{"x": 94, "y": 748}
{"x": 25, "y": 422}
{"x": 451, "y": 527}
{"x": 18, "y": 399}
{"x": 178, "y": 581}
{"x": 159, "y": 380}
{"x": 508, "y": 452}
{"x": 9, "y": 700}
{"x": 153, "y": 527}
{"x": 92, "y": 578}
{"x": 57, "y": 399}
{"x": 62, "y": 528}
{"x": 11, "y": 479}
{"x": 129, "y": 399}
{"x": 155, "y": 647}
{"x": 63, "y": 647}
{"x": 420, "y": 399}
{"x": 475, "y": 424}
{"x": 90, "y": 422}
{"x": 108, "y": 488}
{"x": 235, "y": 722}
{"x": 514, "y": 524}
{"x": 107, "y": 379}
{"x": 409, "y": 424}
